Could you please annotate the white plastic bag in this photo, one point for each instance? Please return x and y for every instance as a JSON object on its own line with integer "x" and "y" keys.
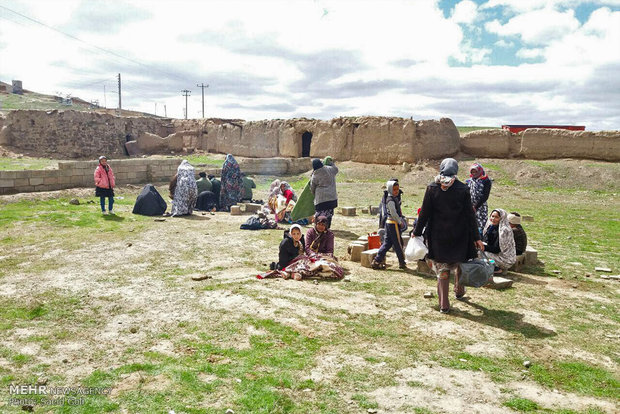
{"x": 416, "y": 249}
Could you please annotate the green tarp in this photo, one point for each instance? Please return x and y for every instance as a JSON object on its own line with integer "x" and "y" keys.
{"x": 305, "y": 204}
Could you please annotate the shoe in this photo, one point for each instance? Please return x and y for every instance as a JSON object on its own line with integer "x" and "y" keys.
{"x": 403, "y": 266}
{"x": 461, "y": 296}
{"x": 111, "y": 212}
{"x": 272, "y": 266}
{"x": 377, "y": 265}
{"x": 105, "y": 213}
{"x": 498, "y": 271}
{"x": 444, "y": 310}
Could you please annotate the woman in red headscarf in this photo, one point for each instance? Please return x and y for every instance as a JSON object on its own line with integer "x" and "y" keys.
{"x": 479, "y": 190}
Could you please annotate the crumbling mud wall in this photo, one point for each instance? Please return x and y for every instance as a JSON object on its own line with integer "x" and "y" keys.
{"x": 383, "y": 140}
{"x": 540, "y": 143}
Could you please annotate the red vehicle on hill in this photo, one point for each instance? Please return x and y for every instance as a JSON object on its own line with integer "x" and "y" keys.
{"x": 518, "y": 128}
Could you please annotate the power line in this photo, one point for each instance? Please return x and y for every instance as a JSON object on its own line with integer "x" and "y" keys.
{"x": 89, "y": 44}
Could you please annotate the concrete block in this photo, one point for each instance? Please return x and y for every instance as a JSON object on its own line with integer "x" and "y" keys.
{"x": 19, "y": 182}
{"x": 36, "y": 181}
{"x": 9, "y": 174}
{"x": 531, "y": 256}
{"x": 521, "y": 261}
{"x": 252, "y": 207}
{"x": 235, "y": 210}
{"x": 365, "y": 210}
{"x": 50, "y": 180}
{"x": 6, "y": 183}
{"x": 424, "y": 268}
{"x": 374, "y": 210}
{"x": 368, "y": 256}
{"x": 527, "y": 218}
{"x": 363, "y": 238}
{"x": 355, "y": 251}
{"x": 348, "y": 211}
{"x": 405, "y": 240}
{"x": 499, "y": 283}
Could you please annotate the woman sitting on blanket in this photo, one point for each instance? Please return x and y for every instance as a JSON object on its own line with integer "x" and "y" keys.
{"x": 500, "y": 242}
{"x": 320, "y": 239}
{"x": 291, "y": 247}
{"x": 281, "y": 201}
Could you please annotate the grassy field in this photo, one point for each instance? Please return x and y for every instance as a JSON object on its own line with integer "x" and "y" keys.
{"x": 108, "y": 301}
{"x": 466, "y": 129}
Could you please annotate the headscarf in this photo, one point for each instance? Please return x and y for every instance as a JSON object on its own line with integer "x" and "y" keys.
{"x": 287, "y": 186}
{"x": 290, "y": 232}
{"x": 186, "y": 191}
{"x": 314, "y": 246}
{"x": 232, "y": 185}
{"x": 447, "y": 173}
{"x": 274, "y": 189}
{"x": 328, "y": 160}
{"x": 480, "y": 172}
{"x": 316, "y": 164}
{"x": 507, "y": 256}
{"x": 514, "y": 219}
{"x": 105, "y": 167}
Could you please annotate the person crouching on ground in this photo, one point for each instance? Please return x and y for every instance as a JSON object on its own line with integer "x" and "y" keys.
{"x": 500, "y": 242}
{"x": 392, "y": 229}
{"x": 514, "y": 219}
{"x": 451, "y": 229}
{"x": 104, "y": 184}
{"x": 291, "y": 247}
{"x": 319, "y": 239}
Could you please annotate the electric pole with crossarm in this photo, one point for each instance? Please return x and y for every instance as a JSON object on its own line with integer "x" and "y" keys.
{"x": 203, "y": 86}
{"x": 186, "y": 94}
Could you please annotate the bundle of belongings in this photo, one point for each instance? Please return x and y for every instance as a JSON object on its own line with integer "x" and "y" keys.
{"x": 259, "y": 221}
{"x": 306, "y": 267}
{"x": 150, "y": 202}
{"x": 206, "y": 201}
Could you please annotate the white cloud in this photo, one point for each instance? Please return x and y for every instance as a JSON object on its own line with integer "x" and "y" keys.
{"x": 530, "y": 53}
{"x": 537, "y": 27}
{"x": 465, "y": 11}
{"x": 503, "y": 44}
{"x": 522, "y": 6}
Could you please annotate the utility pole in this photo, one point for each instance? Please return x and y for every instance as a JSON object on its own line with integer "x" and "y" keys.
{"x": 120, "y": 110}
{"x": 203, "y": 86}
{"x": 186, "y": 94}
{"x": 155, "y": 108}
{"x": 165, "y": 112}
{"x": 105, "y": 105}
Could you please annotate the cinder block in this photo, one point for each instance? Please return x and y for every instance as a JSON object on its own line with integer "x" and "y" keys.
{"x": 355, "y": 251}
{"x": 19, "y": 182}
{"x": 424, "y": 268}
{"x": 374, "y": 210}
{"x": 405, "y": 240}
{"x": 235, "y": 210}
{"x": 499, "y": 283}
{"x": 368, "y": 256}
{"x": 50, "y": 180}
{"x": 531, "y": 256}
{"x": 527, "y": 218}
{"x": 519, "y": 263}
{"x": 348, "y": 211}
{"x": 365, "y": 210}
{"x": 36, "y": 181}
{"x": 363, "y": 238}
{"x": 252, "y": 207}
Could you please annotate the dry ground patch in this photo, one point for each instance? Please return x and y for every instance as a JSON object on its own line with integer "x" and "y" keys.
{"x": 87, "y": 300}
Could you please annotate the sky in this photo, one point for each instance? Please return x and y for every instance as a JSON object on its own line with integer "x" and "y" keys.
{"x": 483, "y": 63}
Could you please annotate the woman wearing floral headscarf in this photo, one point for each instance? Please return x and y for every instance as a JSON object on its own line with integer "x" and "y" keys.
{"x": 479, "y": 190}
{"x": 232, "y": 184}
{"x": 185, "y": 191}
{"x": 500, "y": 242}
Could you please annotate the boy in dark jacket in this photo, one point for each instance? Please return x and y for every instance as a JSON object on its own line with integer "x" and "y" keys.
{"x": 514, "y": 219}
{"x": 393, "y": 222}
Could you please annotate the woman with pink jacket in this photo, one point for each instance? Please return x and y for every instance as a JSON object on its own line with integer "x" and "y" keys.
{"x": 104, "y": 183}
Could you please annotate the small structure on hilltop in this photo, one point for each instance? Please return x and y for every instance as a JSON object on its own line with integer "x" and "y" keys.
{"x": 17, "y": 87}
{"x": 515, "y": 129}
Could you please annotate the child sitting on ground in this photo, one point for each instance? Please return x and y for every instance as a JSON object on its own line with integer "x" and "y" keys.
{"x": 518, "y": 232}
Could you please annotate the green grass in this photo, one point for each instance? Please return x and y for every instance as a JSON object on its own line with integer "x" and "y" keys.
{"x": 26, "y": 163}
{"x": 522, "y": 404}
{"x": 196, "y": 160}
{"x": 465, "y": 129}
{"x": 577, "y": 377}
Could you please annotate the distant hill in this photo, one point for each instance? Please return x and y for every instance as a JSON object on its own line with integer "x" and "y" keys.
{"x": 37, "y": 101}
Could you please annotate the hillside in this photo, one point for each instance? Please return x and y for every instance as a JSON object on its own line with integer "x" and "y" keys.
{"x": 37, "y": 101}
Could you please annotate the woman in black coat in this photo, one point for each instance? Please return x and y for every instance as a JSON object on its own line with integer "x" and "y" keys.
{"x": 451, "y": 230}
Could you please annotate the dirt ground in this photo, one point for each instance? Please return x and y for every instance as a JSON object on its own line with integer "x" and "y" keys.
{"x": 136, "y": 285}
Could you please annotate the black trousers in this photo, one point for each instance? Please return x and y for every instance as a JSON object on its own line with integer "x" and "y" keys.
{"x": 392, "y": 239}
